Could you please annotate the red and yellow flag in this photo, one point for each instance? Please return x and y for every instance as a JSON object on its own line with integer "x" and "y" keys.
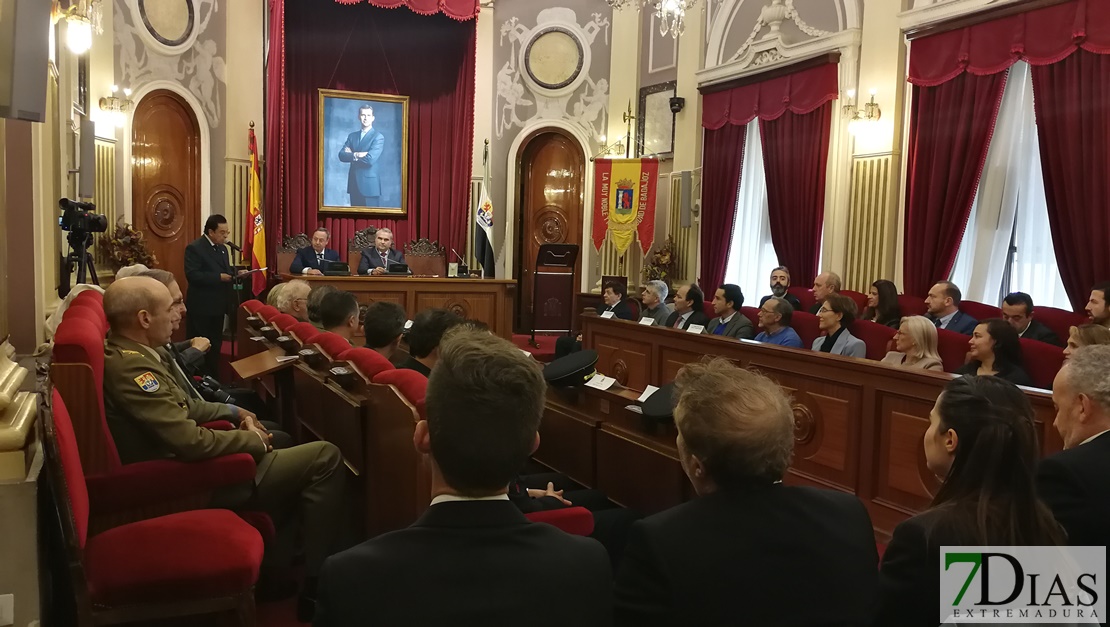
{"x": 254, "y": 236}
{"x": 624, "y": 201}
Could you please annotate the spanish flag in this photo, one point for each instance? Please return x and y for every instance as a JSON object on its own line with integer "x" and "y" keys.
{"x": 255, "y": 231}
{"x": 624, "y": 202}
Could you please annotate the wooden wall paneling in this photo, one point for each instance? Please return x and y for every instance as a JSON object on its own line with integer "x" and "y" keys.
{"x": 568, "y": 436}
{"x": 636, "y": 469}
{"x": 478, "y": 306}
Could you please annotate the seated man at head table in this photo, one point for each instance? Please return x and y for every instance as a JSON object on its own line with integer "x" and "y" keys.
{"x": 483, "y": 559}
{"x": 780, "y": 283}
{"x": 612, "y": 297}
{"x": 748, "y": 547}
{"x": 310, "y": 260}
{"x": 654, "y": 296}
{"x": 339, "y": 314}
{"x": 151, "y": 418}
{"x": 384, "y": 326}
{"x": 729, "y": 322}
{"x": 376, "y": 261}
{"x": 688, "y": 305}
{"x": 424, "y": 337}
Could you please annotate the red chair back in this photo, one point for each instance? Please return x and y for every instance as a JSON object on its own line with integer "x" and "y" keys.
{"x": 267, "y": 312}
{"x": 707, "y": 309}
{"x": 953, "y": 349}
{"x": 73, "y": 475}
{"x": 77, "y": 370}
{"x": 305, "y": 332}
{"x": 858, "y": 297}
{"x": 1041, "y": 361}
{"x": 751, "y": 313}
{"x": 91, "y": 297}
{"x": 634, "y": 306}
{"x": 804, "y": 296}
{"x": 332, "y": 344}
{"x": 410, "y": 383}
{"x": 807, "y": 327}
{"x": 1059, "y": 320}
{"x": 912, "y": 305}
{"x": 368, "y": 361}
{"x": 91, "y": 305}
{"x": 577, "y": 521}
{"x": 980, "y": 311}
{"x": 876, "y": 336}
{"x": 97, "y": 318}
{"x": 252, "y": 305}
{"x": 283, "y": 322}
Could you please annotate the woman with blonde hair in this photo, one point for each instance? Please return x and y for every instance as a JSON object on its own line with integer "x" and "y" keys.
{"x": 915, "y": 345}
{"x": 1086, "y": 335}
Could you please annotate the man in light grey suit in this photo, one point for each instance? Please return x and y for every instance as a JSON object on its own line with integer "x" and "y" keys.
{"x": 729, "y": 322}
{"x": 362, "y": 150}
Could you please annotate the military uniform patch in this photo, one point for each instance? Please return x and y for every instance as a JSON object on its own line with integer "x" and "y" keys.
{"x": 125, "y": 351}
{"x": 147, "y": 382}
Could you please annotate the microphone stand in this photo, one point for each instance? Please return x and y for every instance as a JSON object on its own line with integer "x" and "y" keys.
{"x": 237, "y": 291}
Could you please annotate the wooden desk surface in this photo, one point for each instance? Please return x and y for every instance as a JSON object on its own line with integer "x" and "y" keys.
{"x": 488, "y": 300}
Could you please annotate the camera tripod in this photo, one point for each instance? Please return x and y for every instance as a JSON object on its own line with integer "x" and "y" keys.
{"x": 80, "y": 257}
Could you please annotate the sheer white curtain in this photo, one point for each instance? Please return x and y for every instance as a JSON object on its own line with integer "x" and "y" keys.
{"x": 1011, "y": 192}
{"x": 751, "y": 255}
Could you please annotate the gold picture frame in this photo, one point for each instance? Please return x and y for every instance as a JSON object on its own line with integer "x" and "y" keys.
{"x": 347, "y": 182}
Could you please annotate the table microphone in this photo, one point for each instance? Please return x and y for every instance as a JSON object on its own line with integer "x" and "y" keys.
{"x": 233, "y": 246}
{"x": 463, "y": 269}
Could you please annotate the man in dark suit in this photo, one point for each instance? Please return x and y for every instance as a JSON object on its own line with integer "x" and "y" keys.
{"x": 780, "y": 283}
{"x": 472, "y": 558}
{"x": 943, "y": 303}
{"x": 748, "y": 547}
{"x": 1075, "y": 483}
{"x": 729, "y": 322}
{"x": 688, "y": 302}
{"x": 613, "y": 301}
{"x": 208, "y": 271}
{"x": 310, "y": 259}
{"x": 1017, "y": 310}
{"x": 377, "y": 260}
{"x": 362, "y": 150}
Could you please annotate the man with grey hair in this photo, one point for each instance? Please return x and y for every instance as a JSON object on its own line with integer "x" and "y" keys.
{"x": 293, "y": 299}
{"x": 1075, "y": 483}
{"x": 735, "y": 440}
{"x": 376, "y": 260}
{"x": 654, "y": 295}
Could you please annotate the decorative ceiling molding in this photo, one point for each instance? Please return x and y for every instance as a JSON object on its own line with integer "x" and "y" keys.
{"x": 773, "y": 52}
{"x": 931, "y": 12}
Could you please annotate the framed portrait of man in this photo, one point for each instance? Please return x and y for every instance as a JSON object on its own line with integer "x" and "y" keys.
{"x": 363, "y": 152}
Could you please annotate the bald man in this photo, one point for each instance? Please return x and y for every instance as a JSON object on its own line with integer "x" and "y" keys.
{"x": 151, "y": 418}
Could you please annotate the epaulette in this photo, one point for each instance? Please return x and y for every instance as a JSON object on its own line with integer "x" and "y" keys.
{"x": 127, "y": 351}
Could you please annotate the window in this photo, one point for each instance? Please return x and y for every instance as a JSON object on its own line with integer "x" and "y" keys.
{"x": 751, "y": 255}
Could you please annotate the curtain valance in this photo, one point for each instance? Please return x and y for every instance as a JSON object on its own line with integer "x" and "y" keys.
{"x": 461, "y": 10}
{"x": 800, "y": 93}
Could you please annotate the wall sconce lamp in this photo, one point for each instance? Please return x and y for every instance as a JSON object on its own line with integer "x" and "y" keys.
{"x": 116, "y": 108}
{"x": 856, "y": 117}
{"x": 83, "y": 18}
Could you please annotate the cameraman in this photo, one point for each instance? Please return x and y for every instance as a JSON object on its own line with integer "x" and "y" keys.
{"x": 189, "y": 355}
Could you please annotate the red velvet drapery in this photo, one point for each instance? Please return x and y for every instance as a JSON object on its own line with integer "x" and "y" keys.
{"x": 720, "y": 183}
{"x": 950, "y": 128}
{"x": 795, "y": 113}
{"x": 431, "y": 59}
{"x": 1073, "y": 122}
{"x": 795, "y": 157}
{"x": 455, "y": 9}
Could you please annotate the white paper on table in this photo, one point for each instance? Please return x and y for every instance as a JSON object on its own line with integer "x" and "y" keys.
{"x": 634, "y": 408}
{"x": 257, "y": 338}
{"x": 286, "y": 358}
{"x": 607, "y": 314}
{"x": 408, "y": 323}
{"x": 647, "y": 321}
{"x": 601, "y": 382}
{"x": 651, "y": 389}
{"x": 695, "y": 328}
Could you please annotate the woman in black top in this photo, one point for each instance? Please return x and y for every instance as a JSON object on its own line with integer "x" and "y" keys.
{"x": 981, "y": 439}
{"x": 996, "y": 351}
{"x": 882, "y": 304}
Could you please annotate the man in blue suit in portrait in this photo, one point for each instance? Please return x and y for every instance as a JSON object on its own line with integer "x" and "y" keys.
{"x": 362, "y": 150}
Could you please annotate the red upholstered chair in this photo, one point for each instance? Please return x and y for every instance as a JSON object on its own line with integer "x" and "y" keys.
{"x": 252, "y": 305}
{"x": 912, "y": 305}
{"x": 304, "y": 332}
{"x": 752, "y": 313}
{"x": 634, "y": 307}
{"x": 876, "y": 336}
{"x": 577, "y": 521}
{"x": 97, "y": 318}
{"x": 1042, "y": 361}
{"x": 410, "y": 383}
{"x": 807, "y": 327}
{"x": 1059, "y": 320}
{"x": 980, "y": 311}
{"x": 953, "y": 349}
{"x": 94, "y": 307}
{"x": 184, "y": 564}
{"x": 331, "y": 344}
{"x": 805, "y": 297}
{"x": 858, "y": 297}
{"x": 707, "y": 309}
{"x": 90, "y": 296}
{"x": 283, "y": 322}
{"x": 369, "y": 362}
{"x": 267, "y": 312}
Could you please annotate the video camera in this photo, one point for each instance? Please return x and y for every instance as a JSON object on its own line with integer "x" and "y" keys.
{"x": 79, "y": 217}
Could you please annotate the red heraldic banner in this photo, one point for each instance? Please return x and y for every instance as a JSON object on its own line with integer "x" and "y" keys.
{"x": 624, "y": 202}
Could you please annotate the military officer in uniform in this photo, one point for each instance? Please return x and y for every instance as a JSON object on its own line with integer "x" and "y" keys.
{"x": 151, "y": 417}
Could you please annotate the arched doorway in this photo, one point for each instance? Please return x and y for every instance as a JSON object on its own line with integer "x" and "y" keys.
{"x": 551, "y": 193}
{"x": 165, "y": 177}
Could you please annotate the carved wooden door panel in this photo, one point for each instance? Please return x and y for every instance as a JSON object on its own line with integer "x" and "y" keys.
{"x": 165, "y": 178}
{"x": 552, "y": 189}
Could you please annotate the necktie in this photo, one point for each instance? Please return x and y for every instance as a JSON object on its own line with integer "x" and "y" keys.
{"x": 936, "y": 322}
{"x": 678, "y": 322}
{"x": 319, "y": 259}
{"x": 384, "y": 265}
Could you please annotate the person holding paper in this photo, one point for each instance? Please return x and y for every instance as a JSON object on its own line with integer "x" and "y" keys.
{"x": 208, "y": 271}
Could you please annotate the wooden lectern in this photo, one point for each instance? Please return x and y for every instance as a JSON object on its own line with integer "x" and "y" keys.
{"x": 553, "y": 289}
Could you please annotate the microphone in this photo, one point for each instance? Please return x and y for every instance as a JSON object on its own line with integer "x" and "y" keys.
{"x": 233, "y": 246}
{"x": 463, "y": 270}
{"x": 458, "y": 255}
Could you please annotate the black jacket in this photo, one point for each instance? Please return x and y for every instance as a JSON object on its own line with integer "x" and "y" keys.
{"x": 1038, "y": 331}
{"x": 306, "y": 258}
{"x": 620, "y": 310}
{"x": 696, "y": 317}
{"x": 371, "y": 259}
{"x": 788, "y": 297}
{"x": 764, "y": 555}
{"x": 1075, "y": 484}
{"x": 960, "y": 323}
{"x": 468, "y": 563}
{"x": 208, "y": 295}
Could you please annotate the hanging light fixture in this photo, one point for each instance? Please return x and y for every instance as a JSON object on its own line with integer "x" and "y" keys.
{"x": 671, "y": 14}
{"x": 83, "y": 18}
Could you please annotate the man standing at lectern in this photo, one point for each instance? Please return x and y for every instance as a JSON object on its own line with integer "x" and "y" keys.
{"x": 362, "y": 150}
{"x": 208, "y": 270}
{"x": 376, "y": 260}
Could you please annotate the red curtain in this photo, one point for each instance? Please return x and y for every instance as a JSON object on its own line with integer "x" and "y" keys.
{"x": 1073, "y": 124}
{"x": 368, "y": 49}
{"x": 723, "y": 158}
{"x": 456, "y": 9}
{"x": 800, "y": 92}
{"x": 796, "y": 149}
{"x": 950, "y": 128}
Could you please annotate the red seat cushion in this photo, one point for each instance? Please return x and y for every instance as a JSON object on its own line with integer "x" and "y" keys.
{"x": 859, "y": 298}
{"x": 305, "y": 332}
{"x": 368, "y": 361}
{"x": 283, "y": 322}
{"x": 190, "y": 555}
{"x": 252, "y": 305}
{"x": 332, "y": 344}
{"x": 267, "y": 312}
{"x": 410, "y": 382}
{"x": 912, "y": 305}
{"x": 87, "y": 313}
{"x": 576, "y": 521}
{"x": 93, "y": 307}
{"x": 805, "y": 297}
{"x": 1041, "y": 361}
{"x": 90, "y": 296}
{"x": 752, "y": 313}
{"x": 1060, "y": 320}
{"x": 876, "y": 336}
